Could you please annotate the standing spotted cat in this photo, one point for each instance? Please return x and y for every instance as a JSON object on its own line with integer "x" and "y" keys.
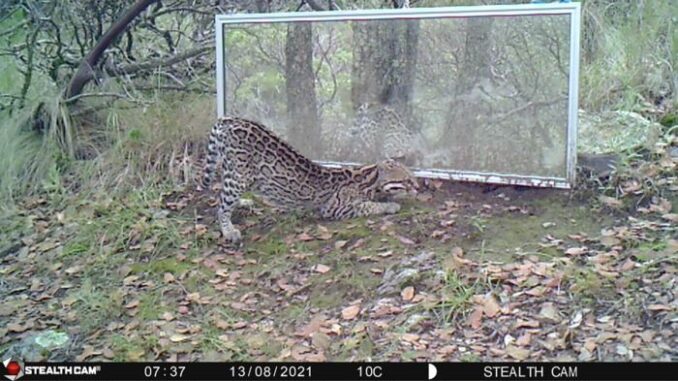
{"x": 377, "y": 133}
{"x": 254, "y": 159}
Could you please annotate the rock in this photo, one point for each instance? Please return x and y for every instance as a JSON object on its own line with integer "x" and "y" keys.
{"x": 549, "y": 312}
{"x": 415, "y": 319}
{"x": 406, "y": 272}
{"x": 46, "y": 345}
{"x": 51, "y": 339}
{"x": 394, "y": 281}
{"x": 421, "y": 260}
{"x": 615, "y": 131}
{"x": 601, "y": 165}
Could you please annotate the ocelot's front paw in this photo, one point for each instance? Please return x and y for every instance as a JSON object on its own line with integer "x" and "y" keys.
{"x": 246, "y": 206}
{"x": 391, "y": 207}
{"x": 246, "y": 203}
{"x": 232, "y": 235}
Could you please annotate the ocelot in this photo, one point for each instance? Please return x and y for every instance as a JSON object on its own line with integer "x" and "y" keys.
{"x": 254, "y": 159}
{"x": 377, "y": 133}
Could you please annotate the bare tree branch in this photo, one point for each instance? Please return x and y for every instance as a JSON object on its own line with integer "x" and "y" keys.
{"x": 183, "y": 9}
{"x": 164, "y": 61}
{"x": 13, "y": 29}
{"x": 85, "y": 72}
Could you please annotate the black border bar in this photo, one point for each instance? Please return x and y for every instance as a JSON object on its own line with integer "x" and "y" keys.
{"x": 347, "y": 371}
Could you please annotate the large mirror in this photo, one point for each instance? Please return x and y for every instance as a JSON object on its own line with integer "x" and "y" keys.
{"x": 475, "y": 93}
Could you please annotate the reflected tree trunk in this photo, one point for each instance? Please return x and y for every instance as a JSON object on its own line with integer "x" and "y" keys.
{"x": 364, "y": 82}
{"x": 384, "y": 62}
{"x": 302, "y": 114}
{"x": 477, "y": 52}
{"x": 398, "y": 66}
{"x": 466, "y": 111}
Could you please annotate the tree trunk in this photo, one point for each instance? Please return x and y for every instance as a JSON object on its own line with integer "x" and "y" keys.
{"x": 85, "y": 72}
{"x": 302, "y": 113}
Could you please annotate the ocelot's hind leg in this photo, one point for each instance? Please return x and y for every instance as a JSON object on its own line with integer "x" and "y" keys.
{"x": 229, "y": 199}
{"x": 349, "y": 203}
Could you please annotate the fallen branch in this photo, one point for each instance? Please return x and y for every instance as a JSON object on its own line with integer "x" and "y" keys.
{"x": 177, "y": 88}
{"x": 90, "y": 95}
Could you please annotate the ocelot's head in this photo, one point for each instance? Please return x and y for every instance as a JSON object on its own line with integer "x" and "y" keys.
{"x": 395, "y": 179}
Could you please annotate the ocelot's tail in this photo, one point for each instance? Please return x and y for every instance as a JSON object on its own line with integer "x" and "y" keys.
{"x": 215, "y": 149}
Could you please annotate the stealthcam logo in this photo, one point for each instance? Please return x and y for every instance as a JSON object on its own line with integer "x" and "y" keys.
{"x": 12, "y": 369}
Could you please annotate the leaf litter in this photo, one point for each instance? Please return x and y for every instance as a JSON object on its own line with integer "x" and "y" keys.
{"x": 420, "y": 285}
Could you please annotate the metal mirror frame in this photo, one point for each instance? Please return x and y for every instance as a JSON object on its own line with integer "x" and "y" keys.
{"x": 571, "y": 9}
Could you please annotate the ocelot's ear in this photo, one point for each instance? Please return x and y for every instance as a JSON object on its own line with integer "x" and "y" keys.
{"x": 400, "y": 159}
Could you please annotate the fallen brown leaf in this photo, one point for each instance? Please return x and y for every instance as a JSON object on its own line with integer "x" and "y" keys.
{"x": 15, "y": 327}
{"x": 576, "y": 251}
{"x": 320, "y": 268}
{"x": 661, "y": 206}
{"x": 239, "y": 325}
{"x": 405, "y": 240}
{"x": 200, "y": 230}
{"x": 659, "y": 307}
{"x": 407, "y": 293}
{"x": 385, "y": 254}
{"x": 438, "y": 233}
{"x": 536, "y": 291}
{"x": 312, "y": 326}
{"x": 320, "y": 341}
{"x": 610, "y": 241}
{"x": 73, "y": 270}
{"x": 350, "y": 312}
{"x": 519, "y": 354}
{"x": 590, "y": 345}
{"x": 87, "y": 352}
{"x": 526, "y": 323}
{"x": 108, "y": 353}
{"x": 610, "y": 201}
{"x": 549, "y": 311}
{"x": 410, "y": 337}
{"x": 324, "y": 233}
{"x": 167, "y": 316}
{"x": 524, "y": 340}
{"x": 305, "y": 237}
{"x": 476, "y": 317}
{"x": 178, "y": 338}
{"x": 490, "y": 306}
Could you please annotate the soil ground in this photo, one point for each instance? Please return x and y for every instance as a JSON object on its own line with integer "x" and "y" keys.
{"x": 464, "y": 272}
